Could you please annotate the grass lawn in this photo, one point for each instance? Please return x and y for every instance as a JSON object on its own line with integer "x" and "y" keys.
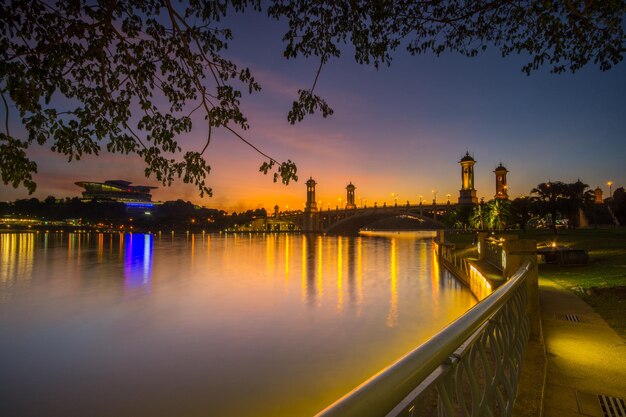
{"x": 601, "y": 283}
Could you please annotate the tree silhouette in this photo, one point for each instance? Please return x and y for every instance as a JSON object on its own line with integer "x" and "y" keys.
{"x": 548, "y": 200}
{"x": 520, "y": 211}
{"x": 126, "y": 76}
{"x": 554, "y": 198}
{"x": 578, "y": 196}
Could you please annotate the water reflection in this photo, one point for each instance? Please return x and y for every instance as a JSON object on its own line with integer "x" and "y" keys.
{"x": 351, "y": 251}
{"x": 275, "y": 316}
{"x": 138, "y": 261}
{"x": 392, "y": 317}
{"x": 309, "y": 263}
{"x": 339, "y": 274}
{"x": 16, "y": 260}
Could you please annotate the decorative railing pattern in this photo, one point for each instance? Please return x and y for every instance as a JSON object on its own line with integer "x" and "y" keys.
{"x": 470, "y": 368}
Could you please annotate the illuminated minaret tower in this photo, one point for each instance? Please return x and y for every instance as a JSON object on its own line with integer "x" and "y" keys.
{"x": 467, "y": 193}
{"x": 350, "y": 196}
{"x": 501, "y": 187}
{"x": 311, "y": 216}
{"x": 311, "y": 205}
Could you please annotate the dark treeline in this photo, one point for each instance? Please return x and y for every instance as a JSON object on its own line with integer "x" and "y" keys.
{"x": 550, "y": 205}
{"x": 171, "y": 214}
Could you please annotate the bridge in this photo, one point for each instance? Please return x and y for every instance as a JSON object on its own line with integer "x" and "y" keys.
{"x": 350, "y": 218}
{"x": 350, "y": 221}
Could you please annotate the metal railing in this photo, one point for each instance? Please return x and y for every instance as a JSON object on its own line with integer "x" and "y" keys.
{"x": 458, "y": 264}
{"x": 473, "y": 364}
{"x": 493, "y": 252}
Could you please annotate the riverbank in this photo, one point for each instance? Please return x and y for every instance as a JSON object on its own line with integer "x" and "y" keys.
{"x": 579, "y": 369}
{"x": 601, "y": 283}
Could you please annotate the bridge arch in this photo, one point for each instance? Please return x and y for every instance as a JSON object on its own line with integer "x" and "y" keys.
{"x": 351, "y": 223}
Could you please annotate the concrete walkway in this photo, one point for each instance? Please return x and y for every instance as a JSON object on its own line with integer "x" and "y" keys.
{"x": 585, "y": 358}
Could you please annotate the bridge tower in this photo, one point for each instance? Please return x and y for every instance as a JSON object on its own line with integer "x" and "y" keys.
{"x": 467, "y": 193}
{"x": 311, "y": 204}
{"x": 350, "y": 196}
{"x": 311, "y": 216}
{"x": 501, "y": 187}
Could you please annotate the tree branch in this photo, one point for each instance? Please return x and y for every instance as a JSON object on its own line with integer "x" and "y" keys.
{"x": 6, "y": 109}
{"x": 319, "y": 69}
{"x": 250, "y": 144}
{"x": 208, "y": 140}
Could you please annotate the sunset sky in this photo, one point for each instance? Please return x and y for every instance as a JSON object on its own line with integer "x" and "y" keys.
{"x": 398, "y": 130}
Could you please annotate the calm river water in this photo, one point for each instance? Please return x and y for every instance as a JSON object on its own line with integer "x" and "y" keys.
{"x": 209, "y": 325}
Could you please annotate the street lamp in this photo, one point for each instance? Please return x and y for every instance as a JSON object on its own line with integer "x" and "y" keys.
{"x": 448, "y": 195}
{"x": 434, "y": 197}
{"x": 421, "y": 198}
{"x": 610, "y": 183}
{"x": 395, "y": 199}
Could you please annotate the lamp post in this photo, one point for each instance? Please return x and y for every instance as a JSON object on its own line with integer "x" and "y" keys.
{"x": 434, "y": 197}
{"x": 421, "y": 198}
{"x": 448, "y": 195}
{"x": 395, "y": 199}
{"x": 610, "y": 183}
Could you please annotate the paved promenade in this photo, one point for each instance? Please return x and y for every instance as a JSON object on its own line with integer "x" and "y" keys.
{"x": 585, "y": 357}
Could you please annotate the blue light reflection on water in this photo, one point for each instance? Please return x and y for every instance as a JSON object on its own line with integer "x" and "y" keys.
{"x": 138, "y": 261}
{"x": 131, "y": 325}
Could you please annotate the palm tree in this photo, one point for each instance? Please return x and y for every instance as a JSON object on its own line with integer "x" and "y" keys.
{"x": 477, "y": 218}
{"x": 520, "y": 208}
{"x": 577, "y": 198}
{"x": 498, "y": 214}
{"x": 548, "y": 199}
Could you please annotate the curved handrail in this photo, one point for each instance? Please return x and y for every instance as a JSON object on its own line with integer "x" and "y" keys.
{"x": 382, "y": 392}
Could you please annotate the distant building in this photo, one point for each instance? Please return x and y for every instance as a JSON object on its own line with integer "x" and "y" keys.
{"x": 598, "y": 195}
{"x": 269, "y": 224}
{"x": 116, "y": 190}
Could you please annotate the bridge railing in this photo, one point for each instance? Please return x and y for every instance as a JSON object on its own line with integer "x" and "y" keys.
{"x": 470, "y": 368}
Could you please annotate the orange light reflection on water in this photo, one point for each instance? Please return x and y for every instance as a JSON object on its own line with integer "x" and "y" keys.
{"x": 16, "y": 260}
{"x": 434, "y": 273}
{"x": 287, "y": 242}
{"x": 320, "y": 288}
{"x": 233, "y": 318}
{"x": 339, "y": 274}
{"x": 392, "y": 317}
{"x": 304, "y": 267}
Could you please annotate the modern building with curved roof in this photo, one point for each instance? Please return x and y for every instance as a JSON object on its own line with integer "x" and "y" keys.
{"x": 116, "y": 190}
